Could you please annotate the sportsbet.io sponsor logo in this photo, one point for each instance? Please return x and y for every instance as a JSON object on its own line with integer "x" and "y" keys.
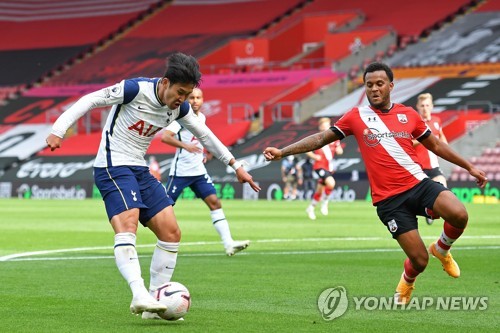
{"x": 333, "y": 303}
{"x": 26, "y": 191}
{"x": 372, "y": 137}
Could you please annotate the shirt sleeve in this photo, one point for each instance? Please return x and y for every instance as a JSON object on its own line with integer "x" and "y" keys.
{"x": 420, "y": 126}
{"x": 100, "y": 98}
{"x": 343, "y": 126}
{"x": 206, "y": 137}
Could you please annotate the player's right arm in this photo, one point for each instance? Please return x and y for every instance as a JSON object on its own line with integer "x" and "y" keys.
{"x": 169, "y": 138}
{"x": 104, "y": 97}
{"x": 310, "y": 143}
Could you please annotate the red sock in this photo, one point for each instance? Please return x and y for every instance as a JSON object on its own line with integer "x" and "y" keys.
{"x": 410, "y": 273}
{"x": 317, "y": 196}
{"x": 449, "y": 235}
{"x": 328, "y": 191}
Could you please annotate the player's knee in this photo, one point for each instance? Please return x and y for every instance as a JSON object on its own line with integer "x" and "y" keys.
{"x": 461, "y": 217}
{"x": 420, "y": 261}
{"x": 170, "y": 234}
{"x": 174, "y": 235}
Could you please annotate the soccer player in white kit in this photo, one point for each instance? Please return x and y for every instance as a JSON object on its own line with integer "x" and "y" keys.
{"x": 188, "y": 170}
{"x": 141, "y": 107}
{"x": 400, "y": 189}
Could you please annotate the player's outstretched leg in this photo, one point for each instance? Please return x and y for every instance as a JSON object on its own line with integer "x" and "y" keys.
{"x": 127, "y": 262}
{"x": 219, "y": 221}
{"x": 441, "y": 249}
{"x": 236, "y": 247}
{"x": 326, "y": 201}
{"x": 161, "y": 270}
{"x": 314, "y": 201}
{"x": 455, "y": 218}
{"x": 406, "y": 284}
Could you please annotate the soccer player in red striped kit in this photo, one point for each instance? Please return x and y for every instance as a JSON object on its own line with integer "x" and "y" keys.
{"x": 400, "y": 189}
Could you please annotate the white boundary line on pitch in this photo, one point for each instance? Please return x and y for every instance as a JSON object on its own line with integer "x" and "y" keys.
{"x": 10, "y": 257}
{"x": 492, "y": 247}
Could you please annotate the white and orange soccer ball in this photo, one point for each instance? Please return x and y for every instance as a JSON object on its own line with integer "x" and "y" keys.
{"x": 177, "y": 299}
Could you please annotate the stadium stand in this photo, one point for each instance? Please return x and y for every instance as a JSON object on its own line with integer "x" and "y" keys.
{"x": 142, "y": 51}
{"x": 43, "y": 36}
{"x": 469, "y": 39}
{"x": 488, "y": 161}
{"x": 488, "y": 6}
{"x": 299, "y": 35}
{"x": 409, "y": 19}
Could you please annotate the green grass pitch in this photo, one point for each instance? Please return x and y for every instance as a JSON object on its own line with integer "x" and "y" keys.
{"x": 57, "y": 272}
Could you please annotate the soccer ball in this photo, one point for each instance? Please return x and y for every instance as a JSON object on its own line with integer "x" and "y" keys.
{"x": 177, "y": 299}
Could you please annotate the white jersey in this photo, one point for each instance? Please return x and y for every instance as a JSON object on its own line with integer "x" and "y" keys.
{"x": 136, "y": 116}
{"x": 186, "y": 164}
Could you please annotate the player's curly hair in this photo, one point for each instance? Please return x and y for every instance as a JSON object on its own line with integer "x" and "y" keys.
{"x": 378, "y": 66}
{"x": 182, "y": 68}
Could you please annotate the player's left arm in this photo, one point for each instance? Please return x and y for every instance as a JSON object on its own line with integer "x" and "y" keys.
{"x": 216, "y": 147}
{"x": 444, "y": 151}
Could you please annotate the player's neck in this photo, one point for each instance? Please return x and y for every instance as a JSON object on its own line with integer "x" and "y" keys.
{"x": 158, "y": 92}
{"x": 383, "y": 108}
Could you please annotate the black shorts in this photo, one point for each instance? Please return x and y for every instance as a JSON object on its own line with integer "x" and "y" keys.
{"x": 399, "y": 212}
{"x": 322, "y": 175}
{"x": 431, "y": 173}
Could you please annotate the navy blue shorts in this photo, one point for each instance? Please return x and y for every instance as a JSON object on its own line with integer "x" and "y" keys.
{"x": 126, "y": 187}
{"x": 201, "y": 185}
{"x": 399, "y": 212}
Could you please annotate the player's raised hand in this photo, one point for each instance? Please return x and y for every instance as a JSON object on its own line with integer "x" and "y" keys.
{"x": 480, "y": 176}
{"x": 272, "y": 154}
{"x": 244, "y": 177}
{"x": 53, "y": 142}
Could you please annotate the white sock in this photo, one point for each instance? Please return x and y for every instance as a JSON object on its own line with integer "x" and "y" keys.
{"x": 313, "y": 203}
{"x": 163, "y": 264}
{"x": 127, "y": 262}
{"x": 220, "y": 224}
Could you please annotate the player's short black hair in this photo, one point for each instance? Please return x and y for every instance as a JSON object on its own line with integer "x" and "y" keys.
{"x": 378, "y": 66}
{"x": 182, "y": 68}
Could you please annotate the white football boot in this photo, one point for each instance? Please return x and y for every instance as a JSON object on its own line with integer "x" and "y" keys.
{"x": 236, "y": 247}
{"x": 146, "y": 303}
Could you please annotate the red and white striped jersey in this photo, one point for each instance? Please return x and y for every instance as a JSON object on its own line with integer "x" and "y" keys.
{"x": 385, "y": 143}
{"x": 327, "y": 153}
{"x": 427, "y": 158}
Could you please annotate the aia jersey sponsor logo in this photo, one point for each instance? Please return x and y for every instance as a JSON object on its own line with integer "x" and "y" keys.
{"x": 144, "y": 129}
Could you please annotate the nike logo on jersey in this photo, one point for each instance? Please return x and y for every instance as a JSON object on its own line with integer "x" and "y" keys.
{"x": 133, "y": 195}
{"x": 140, "y": 107}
